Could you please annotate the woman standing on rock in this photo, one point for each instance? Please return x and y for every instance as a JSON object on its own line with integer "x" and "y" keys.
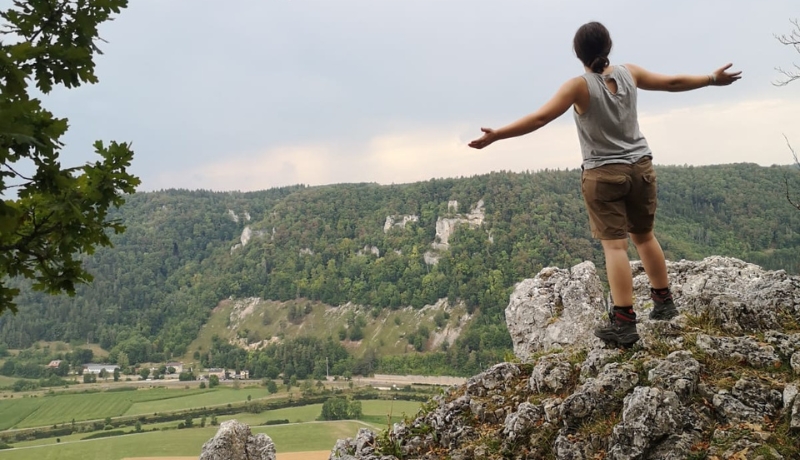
{"x": 618, "y": 181}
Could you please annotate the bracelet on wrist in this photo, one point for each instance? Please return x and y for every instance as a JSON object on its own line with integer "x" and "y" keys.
{"x": 712, "y": 79}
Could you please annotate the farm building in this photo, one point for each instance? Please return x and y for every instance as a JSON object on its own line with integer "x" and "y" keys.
{"x": 97, "y": 368}
{"x": 218, "y": 371}
{"x": 177, "y": 366}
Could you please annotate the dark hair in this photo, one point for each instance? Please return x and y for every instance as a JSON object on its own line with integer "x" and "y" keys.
{"x": 592, "y": 45}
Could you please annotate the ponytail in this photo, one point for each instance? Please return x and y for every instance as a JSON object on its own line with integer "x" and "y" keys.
{"x": 599, "y": 64}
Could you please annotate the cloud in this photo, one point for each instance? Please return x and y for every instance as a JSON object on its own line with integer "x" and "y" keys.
{"x": 750, "y": 131}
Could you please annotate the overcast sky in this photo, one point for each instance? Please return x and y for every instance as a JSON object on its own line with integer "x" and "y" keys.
{"x": 248, "y": 95}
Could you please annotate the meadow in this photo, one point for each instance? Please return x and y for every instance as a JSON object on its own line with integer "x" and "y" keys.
{"x": 63, "y": 408}
{"x": 313, "y": 436}
{"x": 7, "y": 381}
{"x": 301, "y": 435}
{"x": 215, "y": 397}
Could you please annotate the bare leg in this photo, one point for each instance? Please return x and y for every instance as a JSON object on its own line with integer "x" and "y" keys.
{"x": 652, "y": 258}
{"x": 619, "y": 271}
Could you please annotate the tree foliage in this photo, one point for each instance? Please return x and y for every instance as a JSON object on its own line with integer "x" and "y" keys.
{"x": 337, "y": 408}
{"x": 50, "y": 215}
{"x": 156, "y": 287}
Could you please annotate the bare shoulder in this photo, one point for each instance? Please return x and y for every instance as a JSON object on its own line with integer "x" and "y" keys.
{"x": 633, "y": 68}
{"x": 635, "y": 71}
{"x": 576, "y": 84}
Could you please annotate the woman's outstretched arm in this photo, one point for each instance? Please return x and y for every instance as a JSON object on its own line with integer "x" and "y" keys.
{"x": 564, "y": 98}
{"x": 657, "y": 82}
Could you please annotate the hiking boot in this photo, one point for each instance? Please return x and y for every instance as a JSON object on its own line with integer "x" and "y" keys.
{"x": 664, "y": 307}
{"x": 621, "y": 329}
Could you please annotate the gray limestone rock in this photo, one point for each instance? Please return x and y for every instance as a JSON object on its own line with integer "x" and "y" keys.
{"x": 731, "y": 410}
{"x": 556, "y": 309}
{"x": 520, "y": 423}
{"x": 234, "y": 441}
{"x": 786, "y": 344}
{"x": 343, "y": 450}
{"x": 595, "y": 360}
{"x": 649, "y": 416}
{"x": 679, "y": 372}
{"x": 749, "y": 401}
{"x": 742, "y": 349}
{"x": 552, "y": 409}
{"x": 570, "y": 447}
{"x": 361, "y": 447}
{"x": 734, "y": 444}
{"x": 654, "y": 334}
{"x": 493, "y": 380}
{"x": 736, "y": 295}
{"x": 462, "y": 454}
{"x": 789, "y": 394}
{"x": 794, "y": 420}
{"x": 599, "y": 396}
{"x": 552, "y": 373}
{"x": 732, "y": 314}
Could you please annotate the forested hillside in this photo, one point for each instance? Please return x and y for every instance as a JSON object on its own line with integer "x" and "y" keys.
{"x": 179, "y": 256}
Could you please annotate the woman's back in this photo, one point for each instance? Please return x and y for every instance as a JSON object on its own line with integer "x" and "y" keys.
{"x": 609, "y": 129}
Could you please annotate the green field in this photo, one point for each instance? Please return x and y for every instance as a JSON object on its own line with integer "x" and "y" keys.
{"x": 63, "y": 408}
{"x": 313, "y": 436}
{"x": 216, "y": 397}
{"x": 303, "y": 433}
{"x": 7, "y": 381}
{"x": 375, "y": 412}
{"x": 13, "y": 411}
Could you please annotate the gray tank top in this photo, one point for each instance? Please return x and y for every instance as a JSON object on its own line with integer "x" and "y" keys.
{"x": 609, "y": 130}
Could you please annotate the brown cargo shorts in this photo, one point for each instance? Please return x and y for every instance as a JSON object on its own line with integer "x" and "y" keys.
{"x": 620, "y": 199}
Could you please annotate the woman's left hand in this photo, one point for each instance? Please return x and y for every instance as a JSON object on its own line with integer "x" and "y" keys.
{"x": 489, "y": 136}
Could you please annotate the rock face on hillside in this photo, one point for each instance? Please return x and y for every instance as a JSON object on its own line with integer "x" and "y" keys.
{"x": 234, "y": 441}
{"x": 717, "y": 382}
{"x": 445, "y": 226}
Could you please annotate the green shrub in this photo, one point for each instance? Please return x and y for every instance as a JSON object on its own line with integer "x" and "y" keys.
{"x": 276, "y": 422}
{"x": 104, "y": 434}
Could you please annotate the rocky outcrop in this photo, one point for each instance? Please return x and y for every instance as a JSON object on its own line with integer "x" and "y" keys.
{"x": 716, "y": 382}
{"x": 558, "y": 308}
{"x": 445, "y": 226}
{"x": 369, "y": 250}
{"x": 234, "y": 441}
{"x": 235, "y": 217}
{"x": 247, "y": 235}
{"x": 398, "y": 221}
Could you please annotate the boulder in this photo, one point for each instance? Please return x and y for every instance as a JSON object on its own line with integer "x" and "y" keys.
{"x": 234, "y": 441}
